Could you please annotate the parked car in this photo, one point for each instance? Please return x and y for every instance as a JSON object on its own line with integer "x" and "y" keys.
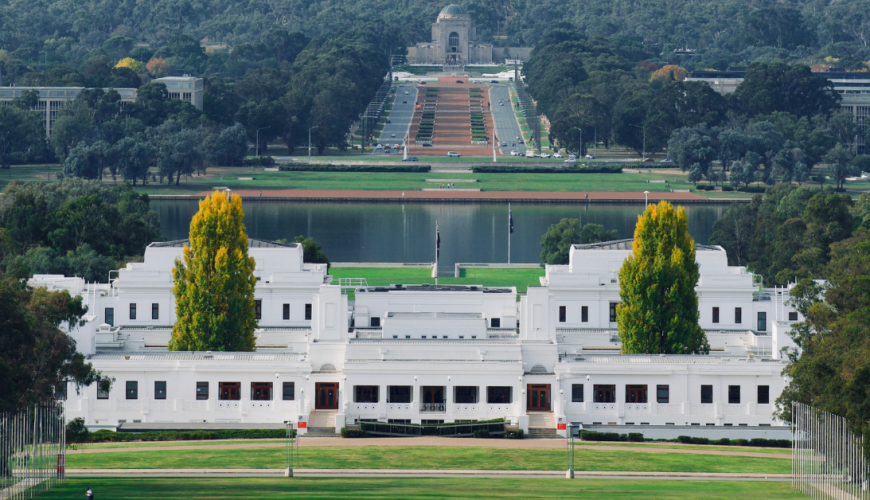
{"x": 667, "y": 160}
{"x": 572, "y": 157}
{"x": 571, "y": 160}
{"x": 388, "y": 121}
{"x": 410, "y": 158}
{"x": 544, "y": 155}
{"x": 493, "y": 81}
{"x": 515, "y": 153}
{"x": 459, "y": 81}
{"x": 589, "y": 157}
{"x": 407, "y": 93}
{"x": 557, "y": 155}
{"x": 427, "y": 145}
{"x": 453, "y": 154}
{"x": 404, "y": 102}
{"x": 503, "y": 144}
{"x": 648, "y": 160}
{"x": 392, "y": 135}
{"x": 422, "y": 82}
{"x": 501, "y": 104}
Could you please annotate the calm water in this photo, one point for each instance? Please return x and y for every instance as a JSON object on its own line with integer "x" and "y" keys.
{"x": 381, "y": 232}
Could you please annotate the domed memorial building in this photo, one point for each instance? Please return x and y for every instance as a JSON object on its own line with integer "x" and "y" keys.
{"x": 454, "y": 41}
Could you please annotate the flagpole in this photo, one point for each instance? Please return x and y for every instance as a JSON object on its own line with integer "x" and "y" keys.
{"x": 510, "y": 230}
{"x": 437, "y": 244}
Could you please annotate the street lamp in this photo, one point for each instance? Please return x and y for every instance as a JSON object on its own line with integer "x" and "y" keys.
{"x": 581, "y": 142}
{"x": 258, "y": 139}
{"x": 309, "y": 143}
{"x": 646, "y": 197}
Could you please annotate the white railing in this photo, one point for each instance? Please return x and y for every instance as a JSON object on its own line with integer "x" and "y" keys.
{"x": 667, "y": 408}
{"x": 194, "y": 404}
{"x": 400, "y": 407}
{"x": 465, "y": 408}
{"x": 433, "y": 407}
{"x": 737, "y": 409}
{"x": 637, "y": 408}
{"x": 261, "y": 405}
{"x": 604, "y": 407}
{"x": 162, "y": 404}
{"x": 229, "y": 405}
{"x": 702, "y": 409}
{"x": 129, "y": 405}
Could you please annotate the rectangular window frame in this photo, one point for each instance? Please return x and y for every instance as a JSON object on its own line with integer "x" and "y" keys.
{"x": 258, "y": 309}
{"x": 604, "y": 393}
{"x": 229, "y": 391}
{"x": 495, "y": 322}
{"x": 613, "y": 312}
{"x": 499, "y": 394}
{"x": 738, "y": 315}
{"x": 160, "y": 389}
{"x": 286, "y": 312}
{"x": 366, "y": 393}
{"x": 110, "y": 316}
{"x": 201, "y": 391}
{"x": 584, "y": 314}
{"x": 706, "y": 394}
{"x": 103, "y": 389}
{"x": 761, "y": 323}
{"x": 132, "y": 310}
{"x": 636, "y": 393}
{"x": 792, "y": 316}
{"x": 288, "y": 391}
{"x": 400, "y": 393}
{"x": 261, "y": 391}
{"x": 307, "y": 312}
{"x": 155, "y": 310}
{"x": 563, "y": 314}
{"x": 733, "y": 394}
{"x": 715, "y": 315}
{"x": 375, "y": 322}
{"x": 466, "y": 394}
{"x": 663, "y": 394}
{"x": 131, "y": 391}
{"x": 763, "y": 396}
{"x": 577, "y": 393}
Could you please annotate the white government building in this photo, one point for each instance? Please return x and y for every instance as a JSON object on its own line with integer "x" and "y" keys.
{"x": 427, "y": 354}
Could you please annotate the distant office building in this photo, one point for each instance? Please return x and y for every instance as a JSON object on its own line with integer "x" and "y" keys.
{"x": 53, "y": 99}
{"x": 187, "y": 88}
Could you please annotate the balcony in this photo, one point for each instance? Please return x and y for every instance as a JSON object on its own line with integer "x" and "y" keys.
{"x": 433, "y": 407}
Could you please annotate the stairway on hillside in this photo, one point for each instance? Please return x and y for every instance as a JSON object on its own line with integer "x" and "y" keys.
{"x": 321, "y": 423}
{"x": 541, "y": 426}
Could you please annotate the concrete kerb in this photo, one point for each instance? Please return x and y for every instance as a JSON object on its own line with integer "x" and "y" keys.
{"x": 459, "y": 266}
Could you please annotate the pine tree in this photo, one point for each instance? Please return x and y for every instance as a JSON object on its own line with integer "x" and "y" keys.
{"x": 214, "y": 286}
{"x": 659, "y": 309}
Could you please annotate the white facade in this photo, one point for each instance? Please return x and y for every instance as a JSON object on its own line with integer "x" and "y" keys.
{"x": 187, "y": 88}
{"x": 424, "y": 353}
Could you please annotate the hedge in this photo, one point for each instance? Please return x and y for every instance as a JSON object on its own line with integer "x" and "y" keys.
{"x": 637, "y": 437}
{"x": 120, "y": 436}
{"x": 606, "y": 169}
{"x": 753, "y": 189}
{"x": 353, "y": 168}
{"x": 259, "y": 161}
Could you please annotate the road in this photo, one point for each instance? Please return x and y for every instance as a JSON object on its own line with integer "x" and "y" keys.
{"x": 506, "y": 127}
{"x": 400, "y": 117}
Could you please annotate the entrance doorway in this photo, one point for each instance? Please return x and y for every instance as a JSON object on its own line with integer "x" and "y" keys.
{"x": 326, "y": 395}
{"x": 539, "y": 397}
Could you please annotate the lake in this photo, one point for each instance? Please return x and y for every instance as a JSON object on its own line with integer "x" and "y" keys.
{"x": 387, "y": 232}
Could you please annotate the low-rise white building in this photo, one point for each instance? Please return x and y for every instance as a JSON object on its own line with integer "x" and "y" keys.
{"x": 425, "y": 353}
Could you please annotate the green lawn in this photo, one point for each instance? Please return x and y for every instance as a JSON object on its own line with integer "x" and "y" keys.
{"x": 400, "y": 457}
{"x": 380, "y": 276}
{"x": 395, "y": 488}
{"x": 137, "y": 444}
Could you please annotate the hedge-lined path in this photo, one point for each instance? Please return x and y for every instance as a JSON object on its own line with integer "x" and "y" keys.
{"x": 463, "y": 196}
{"x": 442, "y": 442}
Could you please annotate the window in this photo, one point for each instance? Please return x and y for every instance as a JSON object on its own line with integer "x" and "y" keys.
{"x": 604, "y": 393}
{"x": 258, "y": 309}
{"x": 453, "y": 40}
{"x": 288, "y": 391}
{"x": 613, "y": 312}
{"x": 201, "y": 391}
{"x": 663, "y": 394}
{"x": 733, "y": 394}
{"x": 793, "y": 316}
{"x": 400, "y": 394}
{"x": 432, "y": 394}
{"x": 155, "y": 311}
{"x": 635, "y": 394}
{"x": 576, "y": 393}
{"x": 376, "y": 322}
{"x": 715, "y": 315}
{"x": 764, "y": 394}
{"x": 229, "y": 391}
{"x": 286, "y": 311}
{"x": 132, "y": 311}
{"x": 563, "y": 314}
{"x": 738, "y": 315}
{"x": 498, "y": 395}
{"x": 159, "y": 390}
{"x": 261, "y": 391}
{"x": 103, "y": 388}
{"x": 110, "y": 316}
{"x": 762, "y": 321}
{"x": 584, "y": 314}
{"x": 365, "y": 393}
{"x": 495, "y": 322}
{"x": 132, "y": 389}
{"x": 60, "y": 391}
{"x": 466, "y": 394}
{"x": 706, "y": 394}
{"x": 307, "y": 311}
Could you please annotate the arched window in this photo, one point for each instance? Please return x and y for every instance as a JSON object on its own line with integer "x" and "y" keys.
{"x": 453, "y": 41}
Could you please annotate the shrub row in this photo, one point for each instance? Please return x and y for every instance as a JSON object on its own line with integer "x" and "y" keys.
{"x": 302, "y": 167}
{"x": 635, "y": 437}
{"x": 759, "y": 442}
{"x": 104, "y": 435}
{"x": 753, "y": 189}
{"x": 259, "y": 161}
{"x": 605, "y": 169}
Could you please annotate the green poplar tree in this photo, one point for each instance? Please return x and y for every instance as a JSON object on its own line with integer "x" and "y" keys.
{"x": 214, "y": 286}
{"x": 659, "y": 309}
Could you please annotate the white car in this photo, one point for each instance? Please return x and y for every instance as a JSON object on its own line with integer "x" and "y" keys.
{"x": 544, "y": 155}
{"x": 570, "y": 160}
{"x": 393, "y": 135}
{"x": 453, "y": 154}
{"x": 589, "y": 157}
{"x": 515, "y": 153}
{"x": 557, "y": 155}
{"x": 572, "y": 157}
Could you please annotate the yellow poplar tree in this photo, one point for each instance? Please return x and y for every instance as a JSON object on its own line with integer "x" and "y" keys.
{"x": 665, "y": 72}
{"x": 129, "y": 62}
{"x": 659, "y": 309}
{"x": 214, "y": 286}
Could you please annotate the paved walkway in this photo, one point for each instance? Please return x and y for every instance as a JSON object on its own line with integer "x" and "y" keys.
{"x": 440, "y": 442}
{"x": 464, "y": 196}
{"x": 706, "y": 476}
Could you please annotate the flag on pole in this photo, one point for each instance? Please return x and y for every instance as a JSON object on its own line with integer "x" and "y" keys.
{"x": 437, "y": 242}
{"x": 510, "y": 218}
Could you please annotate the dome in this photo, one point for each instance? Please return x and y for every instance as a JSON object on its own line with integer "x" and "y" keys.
{"x": 454, "y": 10}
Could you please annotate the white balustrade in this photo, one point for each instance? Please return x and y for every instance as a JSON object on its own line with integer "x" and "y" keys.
{"x": 229, "y": 405}
{"x": 637, "y": 408}
{"x": 196, "y": 405}
{"x": 129, "y": 405}
{"x": 604, "y": 407}
{"x": 669, "y": 409}
{"x": 399, "y": 407}
{"x": 702, "y": 409}
{"x": 737, "y": 409}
